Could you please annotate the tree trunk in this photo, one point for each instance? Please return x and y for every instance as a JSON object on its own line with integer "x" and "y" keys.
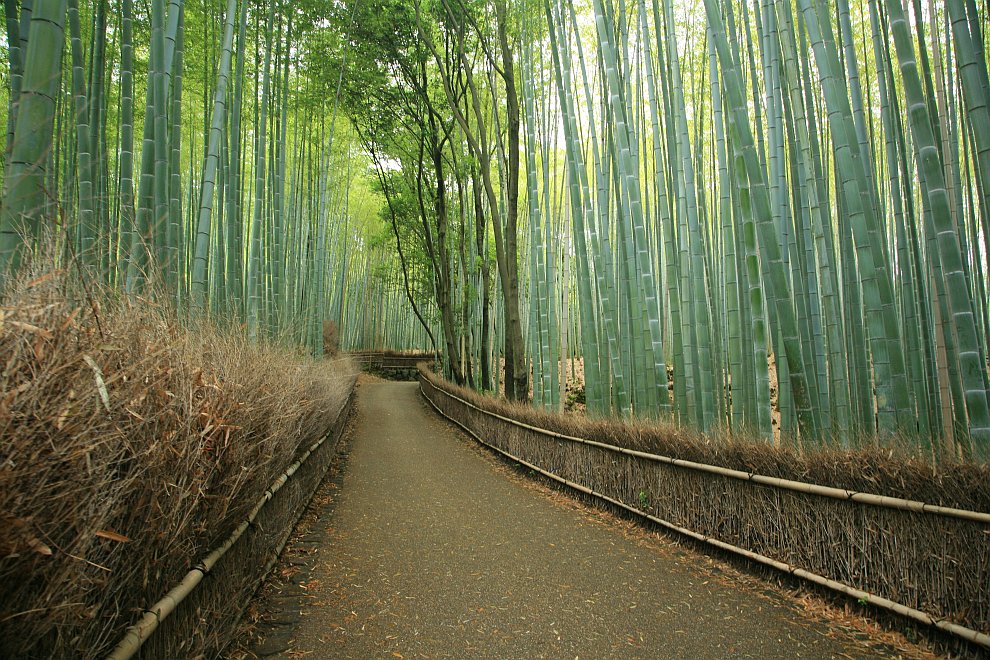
{"x": 486, "y": 284}
{"x": 515, "y": 352}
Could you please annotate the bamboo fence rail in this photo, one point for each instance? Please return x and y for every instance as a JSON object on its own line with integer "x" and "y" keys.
{"x": 924, "y": 562}
{"x": 271, "y": 519}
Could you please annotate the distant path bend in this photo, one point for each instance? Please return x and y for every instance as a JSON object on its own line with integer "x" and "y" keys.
{"x": 434, "y": 550}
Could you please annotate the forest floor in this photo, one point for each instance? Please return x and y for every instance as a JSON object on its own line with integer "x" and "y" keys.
{"x": 421, "y": 544}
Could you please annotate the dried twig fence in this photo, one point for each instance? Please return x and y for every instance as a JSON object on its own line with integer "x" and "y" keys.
{"x": 200, "y": 612}
{"x": 928, "y": 563}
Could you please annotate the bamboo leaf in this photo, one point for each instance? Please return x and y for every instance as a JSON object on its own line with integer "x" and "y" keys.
{"x": 101, "y": 385}
{"x": 111, "y": 535}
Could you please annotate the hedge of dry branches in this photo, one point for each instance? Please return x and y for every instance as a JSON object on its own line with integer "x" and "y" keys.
{"x": 931, "y": 563}
{"x": 129, "y": 447}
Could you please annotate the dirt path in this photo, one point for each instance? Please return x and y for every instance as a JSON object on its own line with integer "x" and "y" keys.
{"x": 434, "y": 550}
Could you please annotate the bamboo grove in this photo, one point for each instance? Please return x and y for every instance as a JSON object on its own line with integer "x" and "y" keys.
{"x": 744, "y": 215}
{"x": 185, "y": 145}
{"x": 763, "y": 216}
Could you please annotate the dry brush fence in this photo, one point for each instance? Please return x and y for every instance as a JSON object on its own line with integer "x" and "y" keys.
{"x": 131, "y": 447}
{"x": 218, "y": 588}
{"x": 866, "y": 535}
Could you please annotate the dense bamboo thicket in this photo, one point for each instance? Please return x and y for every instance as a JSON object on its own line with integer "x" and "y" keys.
{"x": 798, "y": 185}
{"x": 193, "y": 145}
{"x": 764, "y": 216}
{"x": 152, "y": 256}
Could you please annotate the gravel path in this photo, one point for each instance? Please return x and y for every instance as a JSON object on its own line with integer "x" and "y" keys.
{"x": 433, "y": 549}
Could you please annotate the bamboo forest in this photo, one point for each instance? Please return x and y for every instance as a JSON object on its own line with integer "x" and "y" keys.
{"x": 767, "y": 218}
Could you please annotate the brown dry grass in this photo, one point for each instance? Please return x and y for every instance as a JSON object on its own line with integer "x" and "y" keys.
{"x": 130, "y": 446}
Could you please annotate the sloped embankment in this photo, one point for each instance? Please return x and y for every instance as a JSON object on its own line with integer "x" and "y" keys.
{"x": 130, "y": 448}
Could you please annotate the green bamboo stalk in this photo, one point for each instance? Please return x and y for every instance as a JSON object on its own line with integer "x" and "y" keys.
{"x": 234, "y": 227}
{"x": 87, "y": 223}
{"x": 278, "y": 208}
{"x": 962, "y": 321}
{"x": 15, "y": 56}
{"x": 25, "y": 199}
{"x": 126, "y": 161}
{"x": 176, "y": 251}
{"x": 97, "y": 138}
{"x": 255, "y": 273}
{"x": 208, "y": 185}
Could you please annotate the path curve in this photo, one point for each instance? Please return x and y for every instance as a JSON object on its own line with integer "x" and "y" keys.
{"x": 436, "y": 550}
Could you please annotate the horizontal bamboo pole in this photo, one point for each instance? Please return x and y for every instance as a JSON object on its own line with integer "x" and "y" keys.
{"x": 871, "y": 499}
{"x": 388, "y": 360}
{"x": 916, "y": 615}
{"x": 139, "y": 633}
{"x": 269, "y": 565}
